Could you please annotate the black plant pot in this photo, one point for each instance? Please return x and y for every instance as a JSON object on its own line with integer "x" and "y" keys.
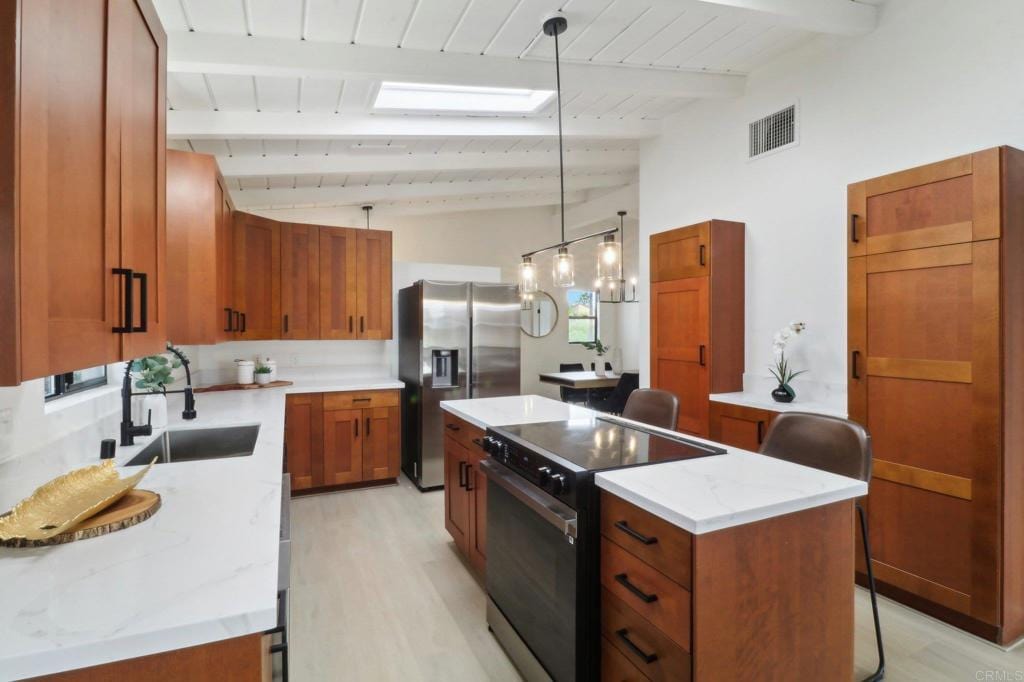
{"x": 782, "y": 395}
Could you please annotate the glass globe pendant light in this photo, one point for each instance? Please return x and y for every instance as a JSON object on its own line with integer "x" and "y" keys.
{"x": 527, "y": 277}
{"x": 563, "y": 273}
{"x": 609, "y": 259}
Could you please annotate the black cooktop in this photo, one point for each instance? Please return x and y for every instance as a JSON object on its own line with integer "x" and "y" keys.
{"x": 598, "y": 444}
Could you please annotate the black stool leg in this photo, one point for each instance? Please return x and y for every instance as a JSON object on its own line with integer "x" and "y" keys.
{"x": 880, "y": 671}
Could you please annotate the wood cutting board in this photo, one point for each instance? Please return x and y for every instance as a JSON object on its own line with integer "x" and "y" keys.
{"x": 132, "y": 509}
{"x": 240, "y": 387}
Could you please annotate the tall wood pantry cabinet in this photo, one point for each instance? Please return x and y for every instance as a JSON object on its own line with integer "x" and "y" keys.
{"x": 697, "y": 297}
{"x": 936, "y": 374}
{"x": 82, "y": 187}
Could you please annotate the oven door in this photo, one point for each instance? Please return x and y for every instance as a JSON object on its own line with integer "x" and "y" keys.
{"x": 533, "y": 571}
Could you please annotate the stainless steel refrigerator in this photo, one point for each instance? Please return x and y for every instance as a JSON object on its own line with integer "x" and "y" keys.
{"x": 455, "y": 340}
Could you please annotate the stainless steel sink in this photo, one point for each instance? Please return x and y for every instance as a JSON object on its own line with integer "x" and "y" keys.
{"x": 190, "y": 445}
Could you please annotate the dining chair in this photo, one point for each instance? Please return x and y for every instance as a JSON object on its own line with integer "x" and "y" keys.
{"x": 572, "y": 395}
{"x": 838, "y": 446}
{"x": 615, "y": 403}
{"x": 652, "y": 406}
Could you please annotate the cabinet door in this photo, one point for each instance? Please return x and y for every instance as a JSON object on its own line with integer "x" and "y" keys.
{"x": 374, "y": 284}
{"x": 139, "y": 46}
{"x": 338, "y": 290}
{"x": 303, "y": 439}
{"x": 68, "y": 157}
{"x": 257, "y": 277}
{"x": 343, "y": 446}
{"x": 476, "y": 486}
{"x": 739, "y": 426}
{"x": 300, "y": 281}
{"x": 679, "y": 348}
{"x": 381, "y": 451}
{"x": 456, "y": 499}
{"x": 924, "y": 379}
{"x": 680, "y": 253}
{"x": 225, "y": 262}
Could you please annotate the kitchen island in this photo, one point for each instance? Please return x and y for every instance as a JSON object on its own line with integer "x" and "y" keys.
{"x": 203, "y": 569}
{"x": 729, "y": 566}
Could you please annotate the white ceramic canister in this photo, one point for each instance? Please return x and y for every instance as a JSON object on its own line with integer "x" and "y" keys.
{"x": 246, "y": 369}
{"x": 272, "y": 364}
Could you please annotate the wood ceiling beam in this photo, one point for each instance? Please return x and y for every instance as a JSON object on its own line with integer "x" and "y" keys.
{"x": 326, "y": 164}
{"x": 234, "y": 125}
{"x": 212, "y": 53}
{"x": 313, "y": 196}
{"x": 840, "y": 17}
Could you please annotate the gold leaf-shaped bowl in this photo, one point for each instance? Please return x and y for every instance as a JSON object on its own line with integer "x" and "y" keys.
{"x": 66, "y": 501}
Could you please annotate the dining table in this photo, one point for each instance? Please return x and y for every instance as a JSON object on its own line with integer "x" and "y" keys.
{"x": 584, "y": 379}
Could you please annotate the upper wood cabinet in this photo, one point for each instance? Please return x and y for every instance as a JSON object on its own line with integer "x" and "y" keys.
{"x": 300, "y": 281}
{"x": 86, "y": 181}
{"x": 225, "y": 305}
{"x": 697, "y": 290}
{"x": 373, "y": 284}
{"x": 936, "y": 371}
{"x": 257, "y": 273}
{"x": 338, "y": 283}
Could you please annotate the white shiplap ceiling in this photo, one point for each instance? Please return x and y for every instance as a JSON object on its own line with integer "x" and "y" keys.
{"x": 281, "y": 91}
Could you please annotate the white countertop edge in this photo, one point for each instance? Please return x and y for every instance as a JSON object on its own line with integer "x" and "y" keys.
{"x": 447, "y": 407}
{"x": 747, "y": 399}
{"x": 698, "y": 527}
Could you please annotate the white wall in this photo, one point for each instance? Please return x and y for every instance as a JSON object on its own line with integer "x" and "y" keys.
{"x": 936, "y": 79}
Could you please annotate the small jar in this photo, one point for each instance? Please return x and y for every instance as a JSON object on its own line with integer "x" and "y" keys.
{"x": 246, "y": 369}
{"x": 272, "y": 364}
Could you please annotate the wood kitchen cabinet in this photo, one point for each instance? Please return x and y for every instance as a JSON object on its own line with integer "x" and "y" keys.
{"x": 338, "y": 283}
{"x": 342, "y": 439}
{"x": 198, "y": 250}
{"x": 936, "y": 372}
{"x": 697, "y": 290}
{"x": 373, "y": 284}
{"x": 300, "y": 281}
{"x": 465, "y": 490}
{"x": 740, "y": 426}
{"x": 257, "y": 275}
{"x": 82, "y": 212}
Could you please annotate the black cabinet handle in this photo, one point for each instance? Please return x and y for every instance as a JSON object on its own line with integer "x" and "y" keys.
{"x": 623, "y": 634}
{"x": 243, "y": 324}
{"x": 451, "y": 427}
{"x": 853, "y": 228}
{"x": 227, "y": 326}
{"x": 760, "y": 432}
{"x": 286, "y": 323}
{"x": 349, "y": 324}
{"x": 703, "y": 255}
{"x": 235, "y": 326}
{"x": 355, "y": 425}
{"x": 623, "y": 580}
{"x": 854, "y": 371}
{"x": 700, "y": 355}
{"x": 462, "y": 474}
{"x": 367, "y": 427}
{"x": 624, "y": 527}
{"x": 477, "y": 441}
{"x": 129, "y": 304}
{"x": 143, "y": 301}
{"x": 469, "y": 477}
{"x": 362, "y": 325}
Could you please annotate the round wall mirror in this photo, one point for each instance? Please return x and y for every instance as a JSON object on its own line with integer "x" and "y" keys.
{"x": 539, "y": 314}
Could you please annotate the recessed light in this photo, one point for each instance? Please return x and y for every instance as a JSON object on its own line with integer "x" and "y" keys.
{"x": 459, "y": 98}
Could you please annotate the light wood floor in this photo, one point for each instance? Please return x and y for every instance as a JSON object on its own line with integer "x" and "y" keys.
{"x": 379, "y": 593}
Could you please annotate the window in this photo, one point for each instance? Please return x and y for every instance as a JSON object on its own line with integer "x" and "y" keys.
{"x": 582, "y": 316}
{"x": 459, "y": 98}
{"x": 74, "y": 382}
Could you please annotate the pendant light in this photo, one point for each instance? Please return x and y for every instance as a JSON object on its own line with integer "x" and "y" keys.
{"x": 367, "y": 209}
{"x": 563, "y": 272}
{"x": 527, "y": 277}
{"x": 617, "y": 290}
{"x": 609, "y": 259}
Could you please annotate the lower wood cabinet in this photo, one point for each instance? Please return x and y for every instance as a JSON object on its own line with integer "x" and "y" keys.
{"x": 740, "y": 426}
{"x": 339, "y": 439}
{"x": 465, "y": 490}
{"x": 720, "y": 605}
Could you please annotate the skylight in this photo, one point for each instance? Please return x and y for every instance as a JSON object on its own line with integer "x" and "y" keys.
{"x": 459, "y": 98}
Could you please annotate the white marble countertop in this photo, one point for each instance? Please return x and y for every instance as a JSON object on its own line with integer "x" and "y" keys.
{"x": 203, "y": 568}
{"x": 699, "y": 495}
{"x": 834, "y": 408}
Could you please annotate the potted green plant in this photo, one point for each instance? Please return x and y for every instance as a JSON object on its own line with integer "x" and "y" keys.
{"x": 781, "y": 370}
{"x": 600, "y": 349}
{"x": 153, "y": 374}
{"x": 262, "y": 375}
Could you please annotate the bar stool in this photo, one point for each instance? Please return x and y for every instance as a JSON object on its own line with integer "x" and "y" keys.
{"x": 652, "y": 406}
{"x": 838, "y": 446}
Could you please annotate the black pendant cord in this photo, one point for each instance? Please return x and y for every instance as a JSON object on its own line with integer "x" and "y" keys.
{"x": 561, "y": 155}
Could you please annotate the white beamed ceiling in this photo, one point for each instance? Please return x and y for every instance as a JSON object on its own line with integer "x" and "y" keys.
{"x": 282, "y": 91}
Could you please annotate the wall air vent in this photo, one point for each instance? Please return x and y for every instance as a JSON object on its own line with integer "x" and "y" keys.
{"x": 773, "y": 132}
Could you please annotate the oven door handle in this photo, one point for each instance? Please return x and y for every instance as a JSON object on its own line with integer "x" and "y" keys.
{"x": 561, "y": 516}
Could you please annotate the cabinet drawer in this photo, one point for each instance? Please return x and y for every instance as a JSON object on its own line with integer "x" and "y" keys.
{"x": 357, "y": 400}
{"x": 644, "y": 646}
{"x": 615, "y": 667}
{"x": 649, "y": 592}
{"x": 463, "y": 431}
{"x": 655, "y": 541}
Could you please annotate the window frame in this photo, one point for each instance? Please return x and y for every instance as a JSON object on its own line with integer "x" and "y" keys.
{"x": 595, "y": 306}
{"x": 64, "y": 384}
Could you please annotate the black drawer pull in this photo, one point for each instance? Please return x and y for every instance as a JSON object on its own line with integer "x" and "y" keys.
{"x": 853, "y": 228}
{"x": 462, "y": 474}
{"x": 854, "y": 371}
{"x": 477, "y": 441}
{"x": 367, "y": 427}
{"x": 623, "y": 580}
{"x": 700, "y": 355}
{"x": 703, "y": 260}
{"x": 362, "y": 325}
{"x": 451, "y": 427}
{"x": 469, "y": 477}
{"x": 624, "y": 527}
{"x": 623, "y": 634}
{"x": 349, "y": 324}
{"x": 286, "y": 323}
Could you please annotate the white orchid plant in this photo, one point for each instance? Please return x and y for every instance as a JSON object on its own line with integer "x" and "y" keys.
{"x": 781, "y": 369}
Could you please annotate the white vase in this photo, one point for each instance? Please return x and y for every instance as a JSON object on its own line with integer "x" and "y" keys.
{"x": 152, "y": 410}
{"x": 263, "y": 378}
{"x": 245, "y": 371}
{"x": 599, "y": 366}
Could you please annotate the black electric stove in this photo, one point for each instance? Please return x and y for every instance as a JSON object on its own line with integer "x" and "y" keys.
{"x": 543, "y": 535}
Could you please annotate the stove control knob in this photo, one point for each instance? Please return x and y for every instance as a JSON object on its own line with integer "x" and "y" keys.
{"x": 543, "y": 474}
{"x": 558, "y": 484}
{"x": 488, "y": 445}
